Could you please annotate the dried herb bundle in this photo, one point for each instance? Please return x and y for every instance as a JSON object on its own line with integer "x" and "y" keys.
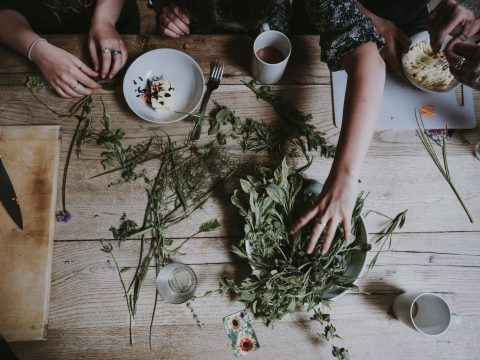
{"x": 292, "y": 135}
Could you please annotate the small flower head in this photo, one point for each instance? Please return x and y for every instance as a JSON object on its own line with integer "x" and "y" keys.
{"x": 246, "y": 344}
{"x": 235, "y": 323}
{"x": 64, "y": 217}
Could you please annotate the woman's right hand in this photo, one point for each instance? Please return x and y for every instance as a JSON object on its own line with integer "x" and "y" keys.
{"x": 173, "y": 21}
{"x": 68, "y": 75}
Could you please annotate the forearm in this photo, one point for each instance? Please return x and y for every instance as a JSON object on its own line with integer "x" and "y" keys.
{"x": 16, "y": 32}
{"x": 107, "y": 11}
{"x": 366, "y": 78}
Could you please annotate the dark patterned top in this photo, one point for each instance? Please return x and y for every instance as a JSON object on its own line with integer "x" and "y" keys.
{"x": 341, "y": 25}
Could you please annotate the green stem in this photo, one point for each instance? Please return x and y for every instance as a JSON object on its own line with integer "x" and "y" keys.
{"x": 67, "y": 163}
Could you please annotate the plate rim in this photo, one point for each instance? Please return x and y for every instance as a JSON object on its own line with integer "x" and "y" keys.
{"x": 182, "y": 116}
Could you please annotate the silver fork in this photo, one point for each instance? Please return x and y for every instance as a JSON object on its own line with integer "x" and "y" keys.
{"x": 216, "y": 73}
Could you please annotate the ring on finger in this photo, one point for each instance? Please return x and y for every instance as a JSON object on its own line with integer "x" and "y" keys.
{"x": 81, "y": 67}
{"x": 74, "y": 87}
{"x": 458, "y": 65}
{"x": 463, "y": 37}
{"x": 106, "y": 50}
{"x": 116, "y": 52}
{"x": 320, "y": 222}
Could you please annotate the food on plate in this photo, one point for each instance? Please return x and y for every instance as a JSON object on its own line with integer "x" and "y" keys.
{"x": 158, "y": 92}
{"x": 427, "y": 69}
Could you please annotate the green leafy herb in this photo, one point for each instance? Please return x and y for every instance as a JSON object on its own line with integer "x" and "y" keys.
{"x": 442, "y": 166}
{"x": 285, "y": 277}
{"x": 35, "y": 83}
{"x": 397, "y": 222}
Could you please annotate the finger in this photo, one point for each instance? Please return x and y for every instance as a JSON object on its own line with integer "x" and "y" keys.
{"x": 404, "y": 41}
{"x": 168, "y": 32}
{"x": 303, "y": 220}
{"x": 117, "y": 64}
{"x": 317, "y": 231}
{"x": 466, "y": 50}
{"x": 106, "y": 61}
{"x": 347, "y": 228}
{"x": 82, "y": 90}
{"x": 465, "y": 71}
{"x": 67, "y": 88}
{"x": 59, "y": 90}
{"x": 178, "y": 23}
{"x": 329, "y": 234}
{"x": 394, "y": 64}
{"x": 181, "y": 15}
{"x": 123, "y": 48}
{"x": 445, "y": 30}
{"x": 85, "y": 80}
{"x": 92, "y": 48}
{"x": 173, "y": 26}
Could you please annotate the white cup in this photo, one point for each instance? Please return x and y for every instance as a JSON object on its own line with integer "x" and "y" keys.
{"x": 425, "y": 312}
{"x": 263, "y": 72}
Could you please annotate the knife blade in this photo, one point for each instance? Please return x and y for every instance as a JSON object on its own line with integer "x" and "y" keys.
{"x": 8, "y": 197}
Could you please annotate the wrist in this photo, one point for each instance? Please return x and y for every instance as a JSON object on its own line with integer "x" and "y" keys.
{"x": 102, "y": 18}
{"x": 38, "y": 52}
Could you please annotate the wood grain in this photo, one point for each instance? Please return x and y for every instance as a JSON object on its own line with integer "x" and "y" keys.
{"x": 30, "y": 153}
{"x": 437, "y": 250}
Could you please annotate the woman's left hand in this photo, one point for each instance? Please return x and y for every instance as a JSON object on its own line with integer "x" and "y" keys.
{"x": 464, "y": 60}
{"x": 334, "y": 206}
{"x": 103, "y": 38}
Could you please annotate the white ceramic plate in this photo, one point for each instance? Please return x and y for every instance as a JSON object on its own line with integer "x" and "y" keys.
{"x": 183, "y": 72}
{"x": 358, "y": 259}
{"x": 425, "y": 36}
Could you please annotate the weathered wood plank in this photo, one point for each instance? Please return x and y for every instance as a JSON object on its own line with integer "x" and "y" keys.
{"x": 87, "y": 292}
{"x": 383, "y": 338}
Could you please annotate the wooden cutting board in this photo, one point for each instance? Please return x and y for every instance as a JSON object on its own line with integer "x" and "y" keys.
{"x": 30, "y": 155}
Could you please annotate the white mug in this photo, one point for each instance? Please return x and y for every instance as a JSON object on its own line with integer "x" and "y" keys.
{"x": 263, "y": 72}
{"x": 425, "y": 312}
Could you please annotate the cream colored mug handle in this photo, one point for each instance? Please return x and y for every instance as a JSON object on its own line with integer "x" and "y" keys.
{"x": 265, "y": 27}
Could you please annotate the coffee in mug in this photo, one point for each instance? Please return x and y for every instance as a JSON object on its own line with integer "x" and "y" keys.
{"x": 270, "y": 55}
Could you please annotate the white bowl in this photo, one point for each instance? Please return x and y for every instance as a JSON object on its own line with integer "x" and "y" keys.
{"x": 425, "y": 36}
{"x": 180, "y": 69}
{"x": 358, "y": 259}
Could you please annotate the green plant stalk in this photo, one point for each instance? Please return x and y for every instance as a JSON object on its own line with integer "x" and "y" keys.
{"x": 443, "y": 170}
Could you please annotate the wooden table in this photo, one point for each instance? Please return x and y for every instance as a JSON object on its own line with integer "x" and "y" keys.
{"x": 438, "y": 250}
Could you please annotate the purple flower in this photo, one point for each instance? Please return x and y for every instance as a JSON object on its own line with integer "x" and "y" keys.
{"x": 64, "y": 217}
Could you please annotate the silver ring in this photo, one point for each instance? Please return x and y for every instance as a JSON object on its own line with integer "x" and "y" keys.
{"x": 463, "y": 37}
{"x": 80, "y": 67}
{"x": 106, "y": 50}
{"x": 458, "y": 65}
{"x": 319, "y": 221}
{"x": 74, "y": 87}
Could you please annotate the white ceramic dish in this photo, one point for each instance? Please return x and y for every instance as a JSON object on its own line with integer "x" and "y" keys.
{"x": 424, "y": 36}
{"x": 183, "y": 72}
{"x": 358, "y": 260}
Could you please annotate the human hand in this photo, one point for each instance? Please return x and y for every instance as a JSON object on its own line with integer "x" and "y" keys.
{"x": 68, "y": 75}
{"x": 464, "y": 60}
{"x": 104, "y": 38}
{"x": 334, "y": 207}
{"x": 395, "y": 41}
{"x": 445, "y": 18}
{"x": 173, "y": 21}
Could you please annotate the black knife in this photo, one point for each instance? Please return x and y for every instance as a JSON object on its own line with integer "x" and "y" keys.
{"x": 8, "y": 197}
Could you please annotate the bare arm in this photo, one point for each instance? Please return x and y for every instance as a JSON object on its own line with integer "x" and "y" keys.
{"x": 69, "y": 76}
{"x": 366, "y": 77}
{"x": 16, "y": 32}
